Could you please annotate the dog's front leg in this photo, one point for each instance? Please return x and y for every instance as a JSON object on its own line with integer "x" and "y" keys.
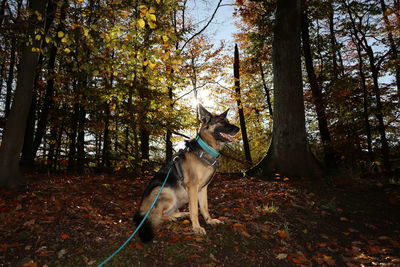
{"x": 204, "y": 207}
{"x": 194, "y": 210}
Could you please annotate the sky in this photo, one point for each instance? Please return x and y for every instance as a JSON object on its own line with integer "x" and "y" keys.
{"x": 222, "y": 27}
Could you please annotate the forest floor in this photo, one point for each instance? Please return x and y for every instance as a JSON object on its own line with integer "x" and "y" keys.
{"x": 80, "y": 220}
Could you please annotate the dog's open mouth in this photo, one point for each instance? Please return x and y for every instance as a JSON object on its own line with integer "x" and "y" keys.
{"x": 227, "y": 137}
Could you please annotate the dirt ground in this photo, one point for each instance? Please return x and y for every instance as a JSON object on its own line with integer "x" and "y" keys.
{"x": 80, "y": 220}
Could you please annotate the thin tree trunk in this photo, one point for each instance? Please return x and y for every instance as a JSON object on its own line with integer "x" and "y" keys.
{"x": 80, "y": 146}
{"x": 168, "y": 143}
{"x": 365, "y": 103}
{"x": 318, "y": 99}
{"x": 379, "y": 112}
{"x": 48, "y": 99}
{"x": 375, "y": 73}
{"x": 13, "y": 137}
{"x": 236, "y": 74}
{"x": 106, "y": 140}
{"x": 288, "y": 153}
{"x": 266, "y": 90}
{"x": 72, "y": 137}
{"x": 10, "y": 78}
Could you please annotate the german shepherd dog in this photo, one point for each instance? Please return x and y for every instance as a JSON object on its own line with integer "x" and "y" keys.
{"x": 192, "y": 170}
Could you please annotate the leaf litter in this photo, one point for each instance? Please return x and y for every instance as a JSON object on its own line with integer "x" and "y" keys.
{"x": 81, "y": 220}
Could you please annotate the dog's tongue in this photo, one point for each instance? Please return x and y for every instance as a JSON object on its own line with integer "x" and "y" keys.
{"x": 227, "y": 136}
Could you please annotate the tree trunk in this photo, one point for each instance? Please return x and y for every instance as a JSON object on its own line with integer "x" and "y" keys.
{"x": 168, "y": 143}
{"x": 379, "y": 112}
{"x": 13, "y": 137}
{"x": 80, "y": 146}
{"x": 26, "y": 156}
{"x": 10, "y": 78}
{"x": 318, "y": 99}
{"x": 72, "y": 137}
{"x": 266, "y": 90}
{"x": 288, "y": 153}
{"x": 48, "y": 99}
{"x": 365, "y": 102}
{"x": 236, "y": 73}
{"x": 107, "y": 140}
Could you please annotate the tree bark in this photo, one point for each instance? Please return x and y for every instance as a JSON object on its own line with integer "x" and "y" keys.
{"x": 13, "y": 137}
{"x": 72, "y": 136}
{"x": 168, "y": 143}
{"x": 236, "y": 74}
{"x": 10, "y": 78}
{"x": 106, "y": 164}
{"x": 288, "y": 153}
{"x": 266, "y": 90}
{"x": 80, "y": 144}
{"x": 363, "y": 84}
{"x": 316, "y": 91}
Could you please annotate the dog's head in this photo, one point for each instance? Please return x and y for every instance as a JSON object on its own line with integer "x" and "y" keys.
{"x": 216, "y": 129}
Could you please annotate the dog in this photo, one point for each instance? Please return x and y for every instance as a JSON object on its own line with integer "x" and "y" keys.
{"x": 191, "y": 171}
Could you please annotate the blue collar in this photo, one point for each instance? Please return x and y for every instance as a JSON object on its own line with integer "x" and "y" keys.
{"x": 214, "y": 153}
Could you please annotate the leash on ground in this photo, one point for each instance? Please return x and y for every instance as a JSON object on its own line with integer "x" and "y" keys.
{"x": 141, "y": 223}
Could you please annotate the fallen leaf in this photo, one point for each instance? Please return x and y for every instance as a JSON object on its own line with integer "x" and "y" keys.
{"x": 61, "y": 253}
{"x": 138, "y": 245}
{"x": 30, "y": 264}
{"x": 282, "y": 234}
{"x": 174, "y": 240}
{"x": 64, "y": 236}
{"x": 298, "y": 258}
{"x": 281, "y": 256}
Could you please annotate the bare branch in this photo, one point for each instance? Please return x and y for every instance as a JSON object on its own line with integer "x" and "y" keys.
{"x": 205, "y": 26}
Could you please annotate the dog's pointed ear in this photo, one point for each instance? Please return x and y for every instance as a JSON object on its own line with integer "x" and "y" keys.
{"x": 223, "y": 115}
{"x": 205, "y": 116}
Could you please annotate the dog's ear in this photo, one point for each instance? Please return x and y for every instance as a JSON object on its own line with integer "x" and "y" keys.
{"x": 205, "y": 116}
{"x": 223, "y": 115}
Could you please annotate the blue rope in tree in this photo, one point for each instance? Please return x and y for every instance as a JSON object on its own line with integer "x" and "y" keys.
{"x": 140, "y": 224}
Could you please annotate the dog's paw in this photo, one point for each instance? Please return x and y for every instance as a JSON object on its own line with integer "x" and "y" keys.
{"x": 199, "y": 230}
{"x": 214, "y": 221}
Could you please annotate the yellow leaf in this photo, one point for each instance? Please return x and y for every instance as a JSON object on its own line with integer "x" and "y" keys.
{"x": 158, "y": 1}
{"x": 47, "y": 39}
{"x": 152, "y": 65}
{"x": 152, "y": 10}
{"x": 186, "y": 222}
{"x": 64, "y": 40}
{"x": 60, "y": 34}
{"x": 153, "y": 17}
{"x": 38, "y": 37}
{"x": 141, "y": 23}
{"x": 67, "y": 50}
{"x": 165, "y": 38}
{"x": 115, "y": 73}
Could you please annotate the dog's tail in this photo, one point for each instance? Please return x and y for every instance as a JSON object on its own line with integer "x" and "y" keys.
{"x": 146, "y": 231}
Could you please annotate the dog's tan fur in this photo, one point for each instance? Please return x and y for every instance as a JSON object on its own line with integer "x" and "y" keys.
{"x": 194, "y": 190}
{"x": 197, "y": 174}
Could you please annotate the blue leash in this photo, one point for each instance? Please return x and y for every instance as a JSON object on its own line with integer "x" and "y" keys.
{"x": 140, "y": 224}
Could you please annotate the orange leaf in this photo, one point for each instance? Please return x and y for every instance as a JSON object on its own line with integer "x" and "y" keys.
{"x": 282, "y": 234}
{"x": 42, "y": 253}
{"x": 30, "y": 264}
{"x": 298, "y": 258}
{"x": 186, "y": 222}
{"x": 138, "y": 245}
{"x": 64, "y": 236}
{"x": 174, "y": 240}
